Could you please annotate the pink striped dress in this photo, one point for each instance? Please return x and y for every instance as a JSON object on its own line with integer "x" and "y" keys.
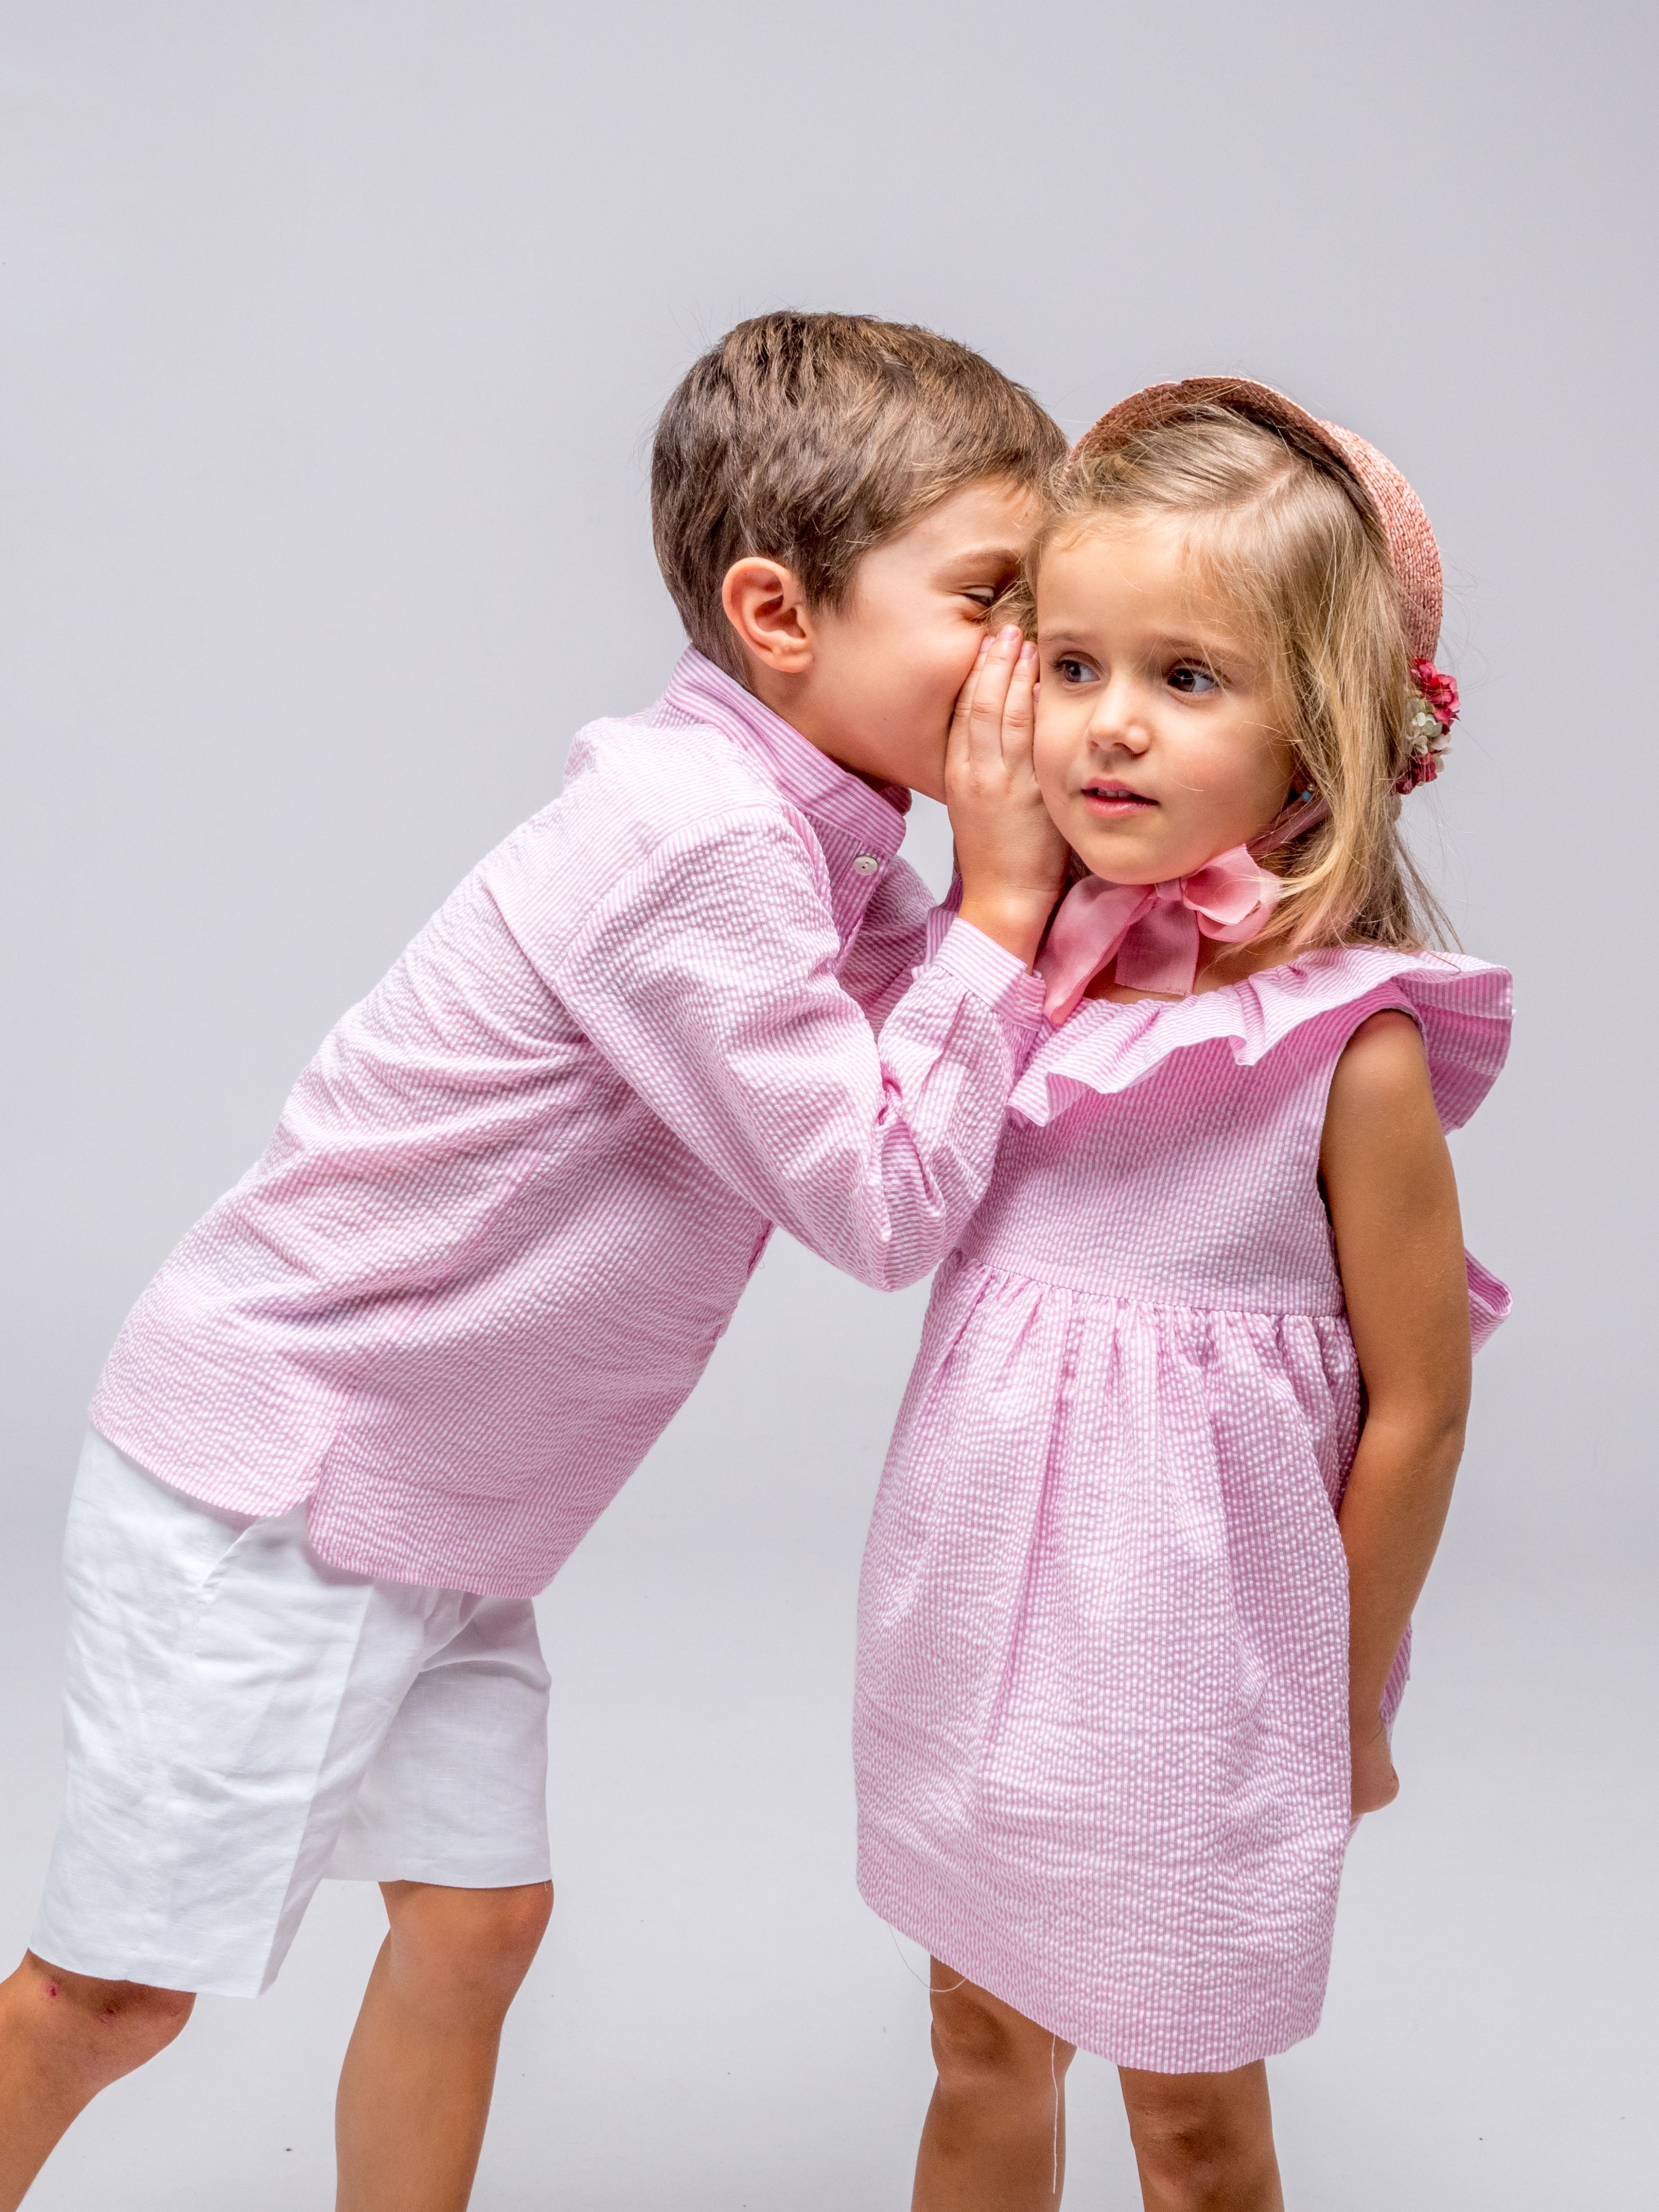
{"x": 1102, "y": 1731}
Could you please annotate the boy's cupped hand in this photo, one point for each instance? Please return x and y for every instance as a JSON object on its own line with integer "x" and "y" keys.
{"x": 1011, "y": 858}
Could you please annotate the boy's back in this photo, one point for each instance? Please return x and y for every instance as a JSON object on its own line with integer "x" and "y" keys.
{"x": 511, "y": 1202}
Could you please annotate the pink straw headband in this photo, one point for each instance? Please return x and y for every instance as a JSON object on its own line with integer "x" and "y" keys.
{"x": 1375, "y": 485}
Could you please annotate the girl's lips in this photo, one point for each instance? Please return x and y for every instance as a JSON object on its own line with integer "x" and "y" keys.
{"x": 1114, "y": 799}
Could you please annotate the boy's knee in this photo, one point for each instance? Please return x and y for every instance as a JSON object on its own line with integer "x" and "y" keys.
{"x": 107, "y": 2028}
{"x": 514, "y": 1920}
{"x": 477, "y": 1942}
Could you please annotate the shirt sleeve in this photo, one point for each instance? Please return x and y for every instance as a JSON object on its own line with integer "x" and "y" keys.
{"x": 707, "y": 977}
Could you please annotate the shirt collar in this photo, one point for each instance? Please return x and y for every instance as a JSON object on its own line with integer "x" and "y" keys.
{"x": 826, "y": 792}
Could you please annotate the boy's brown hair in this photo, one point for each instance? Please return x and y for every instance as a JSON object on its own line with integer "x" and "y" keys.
{"x": 809, "y": 439}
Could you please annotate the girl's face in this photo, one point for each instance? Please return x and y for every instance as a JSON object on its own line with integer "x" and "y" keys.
{"x": 1157, "y": 741}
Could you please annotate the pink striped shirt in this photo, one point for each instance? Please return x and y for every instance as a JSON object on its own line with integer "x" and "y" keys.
{"x": 511, "y": 1204}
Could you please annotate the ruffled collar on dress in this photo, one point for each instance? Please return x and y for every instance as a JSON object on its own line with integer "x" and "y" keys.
{"x": 1463, "y": 1007}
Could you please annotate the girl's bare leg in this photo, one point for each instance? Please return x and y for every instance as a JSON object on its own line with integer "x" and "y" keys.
{"x": 416, "y": 2085}
{"x": 1203, "y": 2142}
{"x": 994, "y": 2140}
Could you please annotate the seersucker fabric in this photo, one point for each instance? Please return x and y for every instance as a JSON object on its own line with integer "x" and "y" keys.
{"x": 511, "y": 1204}
{"x": 1102, "y": 1725}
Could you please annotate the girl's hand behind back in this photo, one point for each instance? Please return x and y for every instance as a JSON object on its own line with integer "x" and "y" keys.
{"x": 1375, "y": 1783}
{"x": 1011, "y": 857}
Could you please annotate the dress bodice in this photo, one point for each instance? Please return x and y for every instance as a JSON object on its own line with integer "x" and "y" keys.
{"x": 1168, "y": 1152}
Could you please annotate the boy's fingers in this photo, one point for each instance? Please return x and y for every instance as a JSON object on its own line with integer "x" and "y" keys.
{"x": 1016, "y": 716}
{"x": 990, "y": 697}
{"x": 1019, "y": 708}
{"x": 963, "y": 707}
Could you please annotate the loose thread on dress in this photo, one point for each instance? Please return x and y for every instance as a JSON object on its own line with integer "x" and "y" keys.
{"x": 930, "y": 1985}
{"x": 934, "y": 1990}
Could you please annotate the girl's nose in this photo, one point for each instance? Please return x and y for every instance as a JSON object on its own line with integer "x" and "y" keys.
{"x": 1118, "y": 722}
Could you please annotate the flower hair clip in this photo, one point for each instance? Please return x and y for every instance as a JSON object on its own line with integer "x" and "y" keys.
{"x": 1432, "y": 716}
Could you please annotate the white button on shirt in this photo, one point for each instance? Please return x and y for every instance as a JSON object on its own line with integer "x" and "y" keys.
{"x": 511, "y": 1204}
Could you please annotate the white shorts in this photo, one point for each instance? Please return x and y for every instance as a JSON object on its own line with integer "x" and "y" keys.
{"x": 242, "y": 1719}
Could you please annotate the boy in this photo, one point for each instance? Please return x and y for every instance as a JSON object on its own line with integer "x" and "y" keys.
{"x": 381, "y": 1391}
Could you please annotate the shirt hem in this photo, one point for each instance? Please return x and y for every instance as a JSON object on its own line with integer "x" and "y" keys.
{"x": 502, "y": 1545}
{"x": 257, "y": 1500}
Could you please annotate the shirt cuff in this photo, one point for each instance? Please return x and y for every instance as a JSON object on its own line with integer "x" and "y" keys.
{"x": 989, "y": 971}
{"x": 939, "y": 920}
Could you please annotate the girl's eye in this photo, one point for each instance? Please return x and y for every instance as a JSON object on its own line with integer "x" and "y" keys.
{"x": 1073, "y": 671}
{"x": 1192, "y": 681}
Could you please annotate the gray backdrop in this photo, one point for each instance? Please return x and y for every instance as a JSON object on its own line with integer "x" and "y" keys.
{"x": 333, "y": 336}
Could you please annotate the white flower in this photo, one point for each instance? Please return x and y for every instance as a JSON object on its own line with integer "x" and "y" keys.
{"x": 1423, "y": 730}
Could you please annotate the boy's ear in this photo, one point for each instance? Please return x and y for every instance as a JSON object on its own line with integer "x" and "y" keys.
{"x": 765, "y": 605}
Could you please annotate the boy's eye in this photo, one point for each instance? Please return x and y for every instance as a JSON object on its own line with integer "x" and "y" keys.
{"x": 1192, "y": 680}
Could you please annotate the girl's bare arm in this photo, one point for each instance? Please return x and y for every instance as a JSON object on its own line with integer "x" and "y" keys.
{"x": 1393, "y": 1201}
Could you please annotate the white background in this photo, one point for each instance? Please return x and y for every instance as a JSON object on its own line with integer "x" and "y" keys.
{"x": 333, "y": 336}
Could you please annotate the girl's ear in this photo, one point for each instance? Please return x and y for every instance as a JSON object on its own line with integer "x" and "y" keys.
{"x": 766, "y": 606}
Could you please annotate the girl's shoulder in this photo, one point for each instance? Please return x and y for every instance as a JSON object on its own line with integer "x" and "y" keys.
{"x": 1461, "y": 1005}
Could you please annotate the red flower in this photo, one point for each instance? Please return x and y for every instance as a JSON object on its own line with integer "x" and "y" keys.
{"x": 1421, "y": 768}
{"x": 1441, "y": 693}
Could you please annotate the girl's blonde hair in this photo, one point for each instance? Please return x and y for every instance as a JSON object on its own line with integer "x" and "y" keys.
{"x": 1282, "y": 534}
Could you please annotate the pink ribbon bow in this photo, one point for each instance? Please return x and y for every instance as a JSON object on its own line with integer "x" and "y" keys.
{"x": 1152, "y": 929}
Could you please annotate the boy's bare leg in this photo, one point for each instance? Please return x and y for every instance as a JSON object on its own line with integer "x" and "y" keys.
{"x": 63, "y": 2038}
{"x": 994, "y": 2139}
{"x": 415, "y": 2088}
{"x": 1203, "y": 2142}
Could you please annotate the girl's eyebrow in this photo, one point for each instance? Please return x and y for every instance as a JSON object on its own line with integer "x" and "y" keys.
{"x": 1219, "y": 652}
{"x": 1195, "y": 649}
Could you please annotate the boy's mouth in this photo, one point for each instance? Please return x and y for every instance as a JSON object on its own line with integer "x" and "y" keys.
{"x": 1106, "y": 795}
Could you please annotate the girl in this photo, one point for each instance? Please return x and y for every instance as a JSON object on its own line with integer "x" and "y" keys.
{"x": 1182, "y": 1434}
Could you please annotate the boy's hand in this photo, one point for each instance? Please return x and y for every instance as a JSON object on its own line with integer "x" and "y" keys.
{"x": 1375, "y": 1781}
{"x": 1011, "y": 857}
